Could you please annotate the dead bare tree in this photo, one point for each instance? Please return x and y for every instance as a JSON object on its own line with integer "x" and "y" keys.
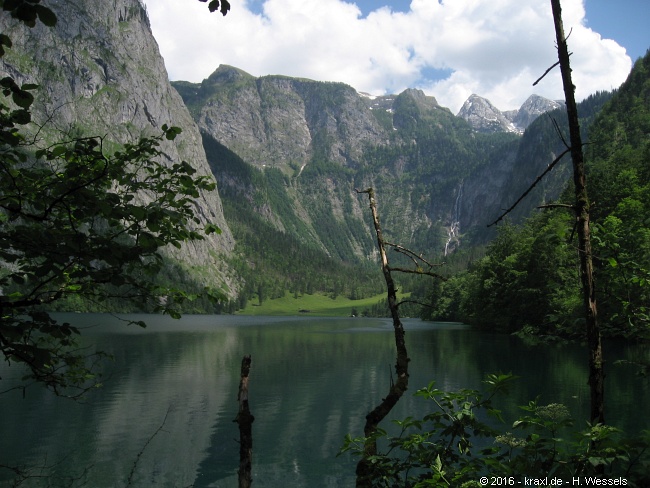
{"x": 581, "y": 209}
{"x": 400, "y": 385}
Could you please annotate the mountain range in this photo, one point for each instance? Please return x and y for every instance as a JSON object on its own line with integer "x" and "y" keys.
{"x": 485, "y": 117}
{"x": 288, "y": 153}
{"x": 322, "y": 140}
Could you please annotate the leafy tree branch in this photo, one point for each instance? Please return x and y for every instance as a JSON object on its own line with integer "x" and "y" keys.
{"x": 77, "y": 220}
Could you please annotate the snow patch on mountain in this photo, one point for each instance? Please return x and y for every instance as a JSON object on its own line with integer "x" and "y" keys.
{"x": 485, "y": 117}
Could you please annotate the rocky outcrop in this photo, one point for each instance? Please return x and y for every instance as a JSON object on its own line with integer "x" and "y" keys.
{"x": 532, "y": 108}
{"x": 100, "y": 73}
{"x": 482, "y": 116}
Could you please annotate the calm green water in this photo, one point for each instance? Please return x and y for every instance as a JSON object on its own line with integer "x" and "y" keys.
{"x": 312, "y": 381}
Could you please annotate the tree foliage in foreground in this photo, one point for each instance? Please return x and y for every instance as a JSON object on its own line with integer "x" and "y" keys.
{"x": 463, "y": 440}
{"x": 78, "y": 220}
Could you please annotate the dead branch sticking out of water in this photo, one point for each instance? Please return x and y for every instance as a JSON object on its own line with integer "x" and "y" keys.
{"x": 245, "y": 421}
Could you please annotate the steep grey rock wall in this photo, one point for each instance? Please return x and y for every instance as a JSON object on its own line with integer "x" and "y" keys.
{"x": 384, "y": 142}
{"x": 280, "y": 121}
{"x": 101, "y": 73}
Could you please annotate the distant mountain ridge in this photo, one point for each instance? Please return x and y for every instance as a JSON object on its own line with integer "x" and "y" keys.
{"x": 269, "y": 142}
{"x": 485, "y": 117}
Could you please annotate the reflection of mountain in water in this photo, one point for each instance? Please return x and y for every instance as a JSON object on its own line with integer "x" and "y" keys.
{"x": 312, "y": 381}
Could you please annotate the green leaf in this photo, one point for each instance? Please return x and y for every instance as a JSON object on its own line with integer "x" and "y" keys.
{"x": 22, "y": 98}
{"x": 173, "y": 314}
{"x": 11, "y": 4}
{"x": 5, "y": 41}
{"x": 18, "y": 279}
{"x": 148, "y": 241}
{"x": 26, "y": 13}
{"x": 58, "y": 151}
{"x": 45, "y": 15}
{"x": 212, "y": 229}
{"x": 138, "y": 213}
{"x": 171, "y": 132}
{"x": 21, "y": 117}
{"x": 437, "y": 465}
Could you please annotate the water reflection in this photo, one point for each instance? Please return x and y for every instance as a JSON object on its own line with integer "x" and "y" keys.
{"x": 313, "y": 380}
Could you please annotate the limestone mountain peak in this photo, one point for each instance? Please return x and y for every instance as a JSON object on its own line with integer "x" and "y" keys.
{"x": 483, "y": 116}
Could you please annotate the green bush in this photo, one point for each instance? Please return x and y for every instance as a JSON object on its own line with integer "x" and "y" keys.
{"x": 457, "y": 445}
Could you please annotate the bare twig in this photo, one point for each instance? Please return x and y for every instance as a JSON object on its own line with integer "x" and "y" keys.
{"x": 412, "y": 255}
{"x": 545, "y": 73}
{"x": 558, "y": 131}
{"x": 46, "y": 472}
{"x": 137, "y": 458}
{"x": 551, "y": 68}
{"x": 557, "y": 205}
{"x": 530, "y": 188}
{"x": 427, "y": 305}
{"x": 419, "y": 271}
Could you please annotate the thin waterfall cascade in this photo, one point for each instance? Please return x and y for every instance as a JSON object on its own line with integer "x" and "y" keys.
{"x": 453, "y": 231}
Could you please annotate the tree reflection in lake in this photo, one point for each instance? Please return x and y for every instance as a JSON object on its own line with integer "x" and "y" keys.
{"x": 313, "y": 381}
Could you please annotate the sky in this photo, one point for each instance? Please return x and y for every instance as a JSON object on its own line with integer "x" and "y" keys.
{"x": 450, "y": 49}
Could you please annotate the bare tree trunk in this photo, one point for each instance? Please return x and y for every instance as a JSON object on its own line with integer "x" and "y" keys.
{"x": 245, "y": 421}
{"x": 596, "y": 372}
{"x": 397, "y": 389}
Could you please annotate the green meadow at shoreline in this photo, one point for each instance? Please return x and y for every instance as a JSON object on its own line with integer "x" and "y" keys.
{"x": 316, "y": 305}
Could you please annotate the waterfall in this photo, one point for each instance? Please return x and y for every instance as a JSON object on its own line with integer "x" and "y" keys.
{"x": 453, "y": 231}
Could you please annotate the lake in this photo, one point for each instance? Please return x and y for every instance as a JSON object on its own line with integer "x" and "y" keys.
{"x": 169, "y": 396}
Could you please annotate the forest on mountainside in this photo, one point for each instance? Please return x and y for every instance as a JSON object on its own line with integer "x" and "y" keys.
{"x": 528, "y": 280}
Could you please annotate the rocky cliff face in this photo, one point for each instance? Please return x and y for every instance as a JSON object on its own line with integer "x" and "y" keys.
{"x": 101, "y": 73}
{"x": 282, "y": 122}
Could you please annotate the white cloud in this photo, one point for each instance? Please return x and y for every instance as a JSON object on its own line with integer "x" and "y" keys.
{"x": 494, "y": 48}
